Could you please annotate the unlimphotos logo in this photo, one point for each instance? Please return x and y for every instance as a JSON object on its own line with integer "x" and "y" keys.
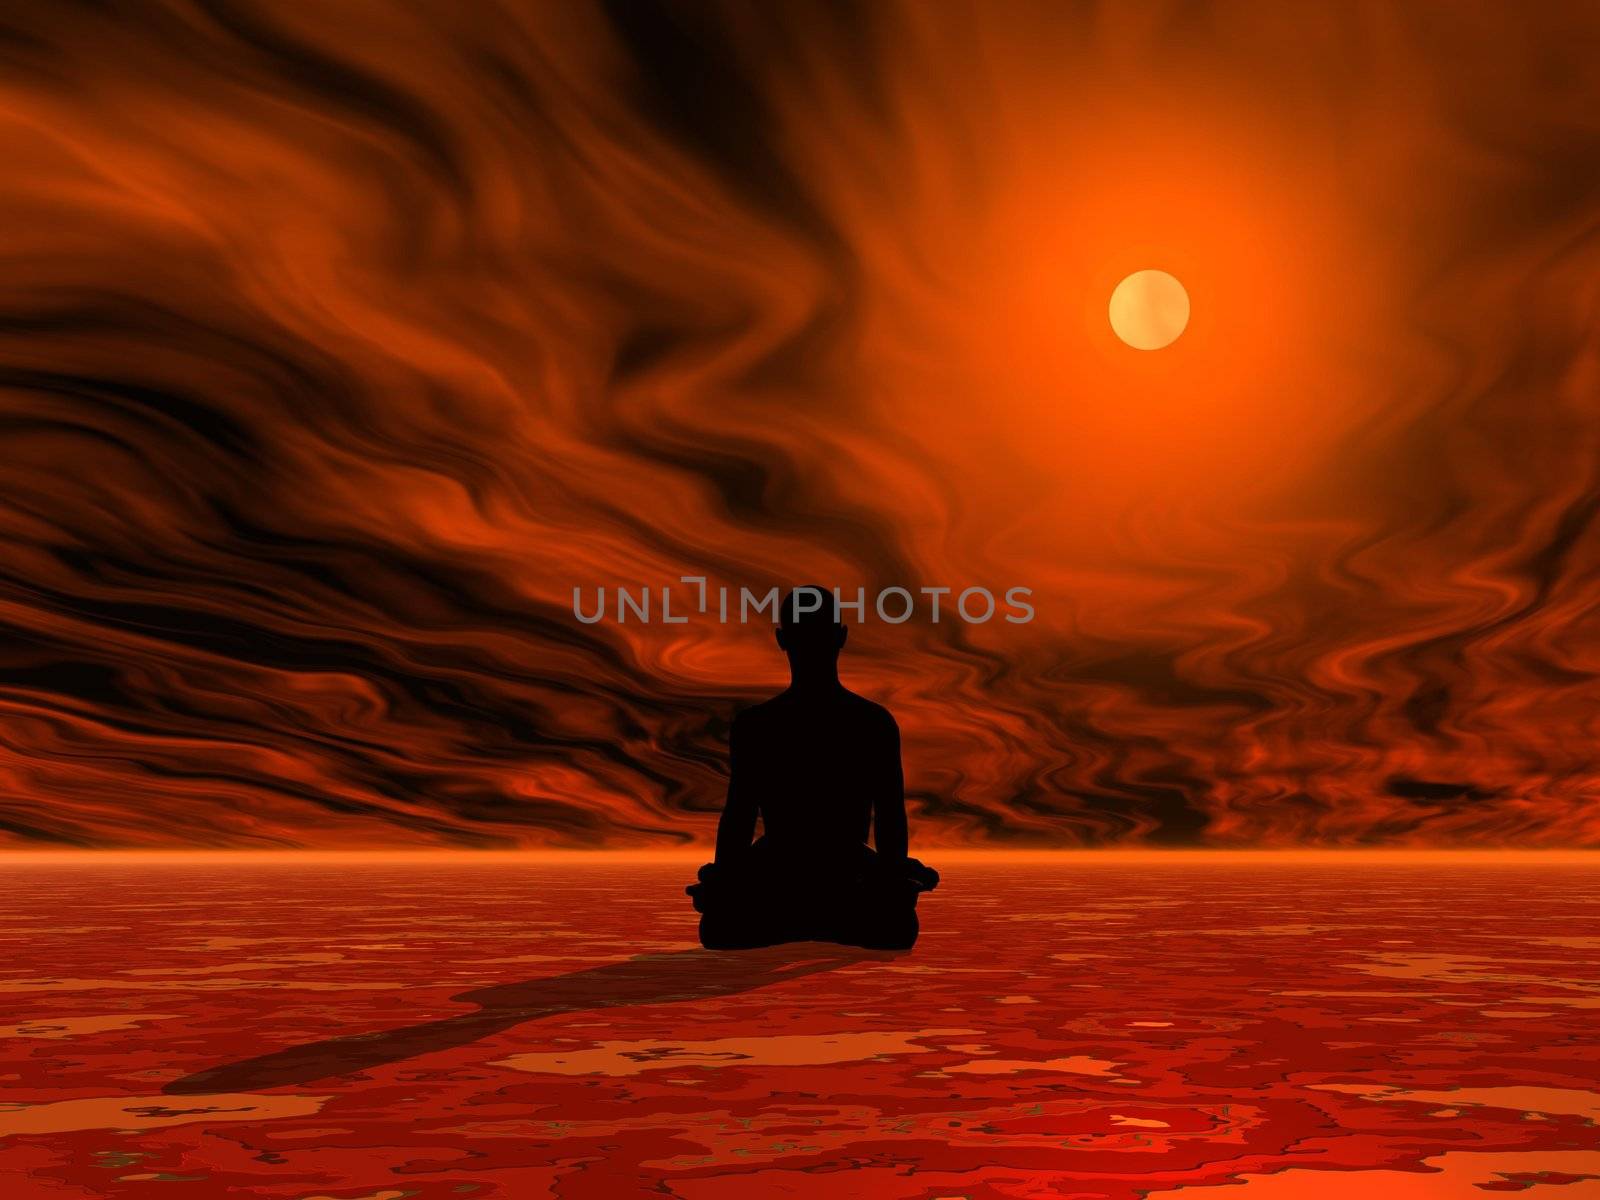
{"x": 891, "y": 605}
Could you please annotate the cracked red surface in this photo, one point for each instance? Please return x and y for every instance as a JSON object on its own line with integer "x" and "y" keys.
{"x": 467, "y": 1030}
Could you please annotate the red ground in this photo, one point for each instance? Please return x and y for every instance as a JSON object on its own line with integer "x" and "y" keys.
{"x": 1069, "y": 1030}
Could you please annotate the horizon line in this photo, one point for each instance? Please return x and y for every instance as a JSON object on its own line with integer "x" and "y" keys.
{"x": 938, "y": 855}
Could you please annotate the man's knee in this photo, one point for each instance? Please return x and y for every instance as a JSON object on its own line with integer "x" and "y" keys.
{"x": 718, "y": 931}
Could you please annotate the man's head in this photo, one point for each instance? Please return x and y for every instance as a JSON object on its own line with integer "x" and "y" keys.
{"x": 808, "y": 627}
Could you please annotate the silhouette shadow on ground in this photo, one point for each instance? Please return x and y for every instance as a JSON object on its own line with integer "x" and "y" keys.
{"x": 644, "y": 979}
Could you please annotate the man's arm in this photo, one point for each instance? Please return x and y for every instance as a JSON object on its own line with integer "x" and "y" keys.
{"x": 889, "y": 832}
{"x": 737, "y": 828}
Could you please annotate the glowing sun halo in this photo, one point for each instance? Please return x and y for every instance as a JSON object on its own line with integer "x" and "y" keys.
{"x": 1149, "y": 309}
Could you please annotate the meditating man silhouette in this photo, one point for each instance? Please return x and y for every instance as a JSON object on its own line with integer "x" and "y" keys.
{"x": 820, "y": 766}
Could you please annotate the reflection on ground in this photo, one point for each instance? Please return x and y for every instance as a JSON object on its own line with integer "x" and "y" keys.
{"x": 462, "y": 1030}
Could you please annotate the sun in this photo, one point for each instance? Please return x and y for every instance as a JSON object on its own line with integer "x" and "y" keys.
{"x": 1149, "y": 309}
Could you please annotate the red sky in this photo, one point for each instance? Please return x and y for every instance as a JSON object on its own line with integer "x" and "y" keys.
{"x": 339, "y": 343}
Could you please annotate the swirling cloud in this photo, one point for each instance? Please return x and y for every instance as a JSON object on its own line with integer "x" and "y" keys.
{"x": 339, "y": 344}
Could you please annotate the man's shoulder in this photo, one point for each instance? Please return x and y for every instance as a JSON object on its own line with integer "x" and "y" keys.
{"x": 871, "y": 710}
{"x": 758, "y": 715}
{"x": 780, "y": 710}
